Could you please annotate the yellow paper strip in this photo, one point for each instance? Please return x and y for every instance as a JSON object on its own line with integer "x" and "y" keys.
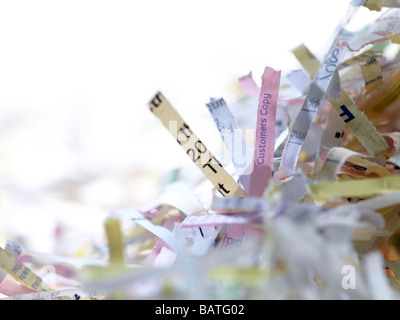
{"x": 336, "y": 158}
{"x": 20, "y": 272}
{"x": 194, "y": 148}
{"x": 355, "y": 188}
{"x": 309, "y": 62}
{"x": 370, "y": 68}
{"x": 246, "y": 276}
{"x": 375, "y": 5}
{"x": 365, "y": 132}
{"x": 372, "y": 73}
{"x": 395, "y": 38}
{"x": 361, "y": 58}
{"x": 115, "y": 244}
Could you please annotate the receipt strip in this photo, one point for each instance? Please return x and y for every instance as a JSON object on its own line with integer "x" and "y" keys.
{"x": 372, "y": 73}
{"x": 360, "y": 58}
{"x": 265, "y": 132}
{"x": 365, "y": 132}
{"x": 20, "y": 272}
{"x": 311, "y": 104}
{"x": 194, "y": 148}
{"x": 15, "y": 249}
{"x": 232, "y": 137}
{"x": 336, "y": 159}
{"x": 214, "y": 219}
{"x": 370, "y": 68}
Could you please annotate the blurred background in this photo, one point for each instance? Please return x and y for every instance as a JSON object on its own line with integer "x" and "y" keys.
{"x": 76, "y": 136}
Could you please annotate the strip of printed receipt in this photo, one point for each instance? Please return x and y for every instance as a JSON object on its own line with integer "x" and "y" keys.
{"x": 200, "y": 155}
{"x": 195, "y": 148}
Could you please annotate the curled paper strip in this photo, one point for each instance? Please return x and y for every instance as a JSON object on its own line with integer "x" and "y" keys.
{"x": 161, "y": 232}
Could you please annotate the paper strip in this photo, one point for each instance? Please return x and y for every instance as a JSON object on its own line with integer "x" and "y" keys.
{"x": 309, "y": 62}
{"x": 331, "y": 137}
{"x": 233, "y": 139}
{"x": 159, "y": 231}
{"x": 180, "y": 196}
{"x": 375, "y": 5}
{"x": 395, "y": 38}
{"x": 311, "y": 104}
{"x": 370, "y": 68}
{"x": 265, "y": 132}
{"x": 336, "y": 159}
{"x": 214, "y": 220}
{"x": 15, "y": 249}
{"x": 365, "y": 132}
{"x": 379, "y": 31}
{"x": 372, "y": 73}
{"x": 299, "y": 80}
{"x": 379, "y": 202}
{"x": 194, "y": 148}
{"x": 20, "y": 272}
{"x": 360, "y": 58}
{"x": 114, "y": 236}
{"x": 395, "y": 159}
{"x": 233, "y": 237}
{"x": 378, "y": 3}
{"x": 355, "y": 188}
{"x": 248, "y": 84}
{"x": 300, "y": 129}
{"x": 240, "y": 204}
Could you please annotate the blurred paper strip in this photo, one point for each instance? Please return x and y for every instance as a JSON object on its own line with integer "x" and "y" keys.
{"x": 20, "y": 272}
{"x": 355, "y": 188}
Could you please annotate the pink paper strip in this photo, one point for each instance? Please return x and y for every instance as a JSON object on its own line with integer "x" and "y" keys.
{"x": 248, "y": 84}
{"x": 216, "y": 219}
{"x": 233, "y": 237}
{"x": 265, "y": 132}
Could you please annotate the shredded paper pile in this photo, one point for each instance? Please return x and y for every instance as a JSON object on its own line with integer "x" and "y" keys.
{"x": 303, "y": 203}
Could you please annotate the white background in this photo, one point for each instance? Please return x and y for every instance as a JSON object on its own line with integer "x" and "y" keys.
{"x": 76, "y": 76}
{"x": 80, "y": 73}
